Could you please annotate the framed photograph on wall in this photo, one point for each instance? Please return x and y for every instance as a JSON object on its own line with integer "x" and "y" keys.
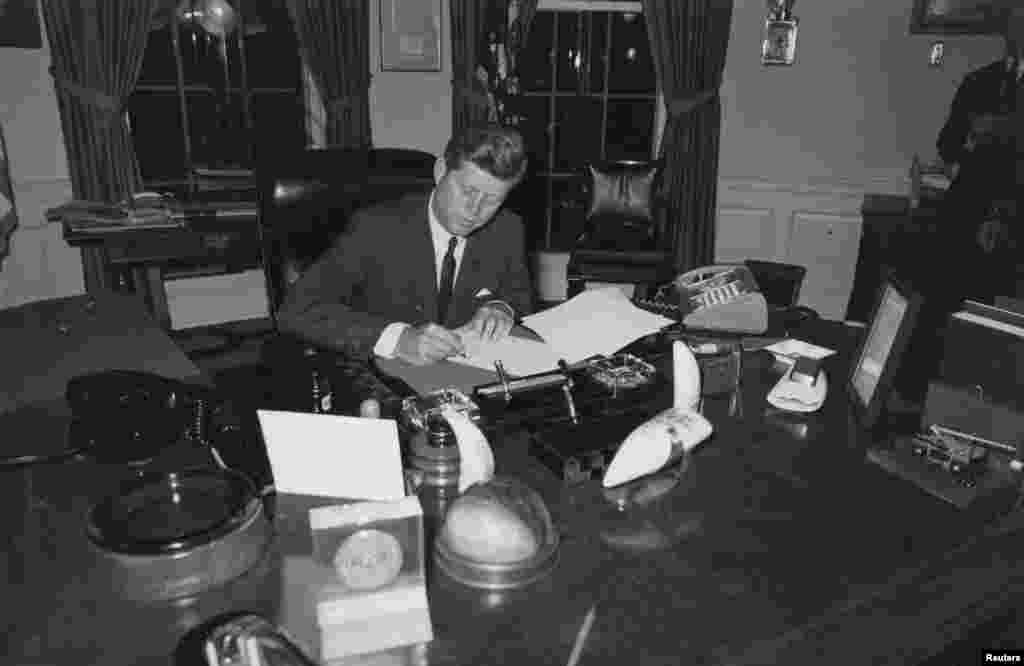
{"x": 955, "y": 17}
{"x": 410, "y": 35}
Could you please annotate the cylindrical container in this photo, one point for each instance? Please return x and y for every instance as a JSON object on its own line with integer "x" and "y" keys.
{"x": 434, "y": 459}
{"x": 435, "y": 454}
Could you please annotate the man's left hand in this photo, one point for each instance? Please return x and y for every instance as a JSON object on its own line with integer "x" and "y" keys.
{"x": 492, "y": 322}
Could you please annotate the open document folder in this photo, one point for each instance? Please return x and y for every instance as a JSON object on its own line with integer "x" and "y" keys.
{"x": 597, "y": 321}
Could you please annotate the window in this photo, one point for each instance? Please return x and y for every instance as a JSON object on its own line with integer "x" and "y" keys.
{"x": 227, "y": 109}
{"x": 589, "y": 93}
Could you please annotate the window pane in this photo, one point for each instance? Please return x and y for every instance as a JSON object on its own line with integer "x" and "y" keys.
{"x": 569, "y": 60}
{"x": 157, "y": 135}
{"x": 534, "y": 128}
{"x": 200, "y": 55}
{"x": 566, "y": 213}
{"x": 271, "y": 48}
{"x": 630, "y": 129}
{"x": 631, "y": 68}
{"x": 535, "y": 62}
{"x": 529, "y": 200}
{"x": 278, "y": 122}
{"x": 597, "y": 45}
{"x": 158, "y": 60}
{"x": 218, "y": 137}
{"x": 577, "y": 132}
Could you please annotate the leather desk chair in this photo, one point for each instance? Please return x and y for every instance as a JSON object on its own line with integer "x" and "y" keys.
{"x": 779, "y": 283}
{"x": 628, "y": 232}
{"x": 305, "y": 200}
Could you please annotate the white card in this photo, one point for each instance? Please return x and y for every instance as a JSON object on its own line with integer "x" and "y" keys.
{"x": 333, "y": 456}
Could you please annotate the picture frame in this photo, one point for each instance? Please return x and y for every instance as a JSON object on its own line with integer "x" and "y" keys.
{"x": 955, "y": 17}
{"x": 779, "y": 44}
{"x": 410, "y": 35}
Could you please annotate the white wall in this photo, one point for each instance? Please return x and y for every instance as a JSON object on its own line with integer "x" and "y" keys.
{"x": 40, "y": 265}
{"x": 411, "y": 109}
{"x": 858, "y": 103}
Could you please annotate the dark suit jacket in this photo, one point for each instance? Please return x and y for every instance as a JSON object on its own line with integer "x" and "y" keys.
{"x": 381, "y": 270}
{"x": 990, "y": 89}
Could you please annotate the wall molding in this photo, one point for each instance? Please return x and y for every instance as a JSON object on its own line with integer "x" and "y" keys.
{"x": 883, "y": 183}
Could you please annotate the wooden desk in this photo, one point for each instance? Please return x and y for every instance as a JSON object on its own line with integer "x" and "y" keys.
{"x": 780, "y": 546}
{"x": 222, "y": 239}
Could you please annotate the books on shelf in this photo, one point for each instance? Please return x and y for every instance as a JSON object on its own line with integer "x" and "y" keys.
{"x": 92, "y": 216}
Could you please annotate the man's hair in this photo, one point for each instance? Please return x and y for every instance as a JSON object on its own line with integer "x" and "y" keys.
{"x": 496, "y": 149}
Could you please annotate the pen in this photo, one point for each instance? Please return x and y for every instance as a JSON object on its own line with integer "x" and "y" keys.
{"x": 581, "y": 636}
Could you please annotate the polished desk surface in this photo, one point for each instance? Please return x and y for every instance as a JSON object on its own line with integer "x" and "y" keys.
{"x": 45, "y": 343}
{"x": 779, "y": 545}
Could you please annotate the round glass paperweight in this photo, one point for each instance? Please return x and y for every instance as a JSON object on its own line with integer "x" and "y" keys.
{"x": 497, "y": 535}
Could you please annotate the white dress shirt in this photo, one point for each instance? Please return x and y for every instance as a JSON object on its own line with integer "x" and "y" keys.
{"x": 387, "y": 343}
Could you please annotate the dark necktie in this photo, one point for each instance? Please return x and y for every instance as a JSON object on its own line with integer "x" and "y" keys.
{"x": 444, "y": 293}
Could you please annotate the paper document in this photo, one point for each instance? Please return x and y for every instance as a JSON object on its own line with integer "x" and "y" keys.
{"x": 596, "y": 321}
{"x": 333, "y": 456}
{"x": 518, "y": 356}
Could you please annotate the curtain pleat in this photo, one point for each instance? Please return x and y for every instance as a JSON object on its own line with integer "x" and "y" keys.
{"x": 96, "y": 51}
{"x": 689, "y": 41}
{"x": 333, "y": 36}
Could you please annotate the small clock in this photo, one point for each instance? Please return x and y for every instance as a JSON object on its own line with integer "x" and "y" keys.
{"x": 368, "y": 559}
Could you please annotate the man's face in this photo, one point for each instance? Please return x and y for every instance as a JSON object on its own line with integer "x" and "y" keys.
{"x": 466, "y": 198}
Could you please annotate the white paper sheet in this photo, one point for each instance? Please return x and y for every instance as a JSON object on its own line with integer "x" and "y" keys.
{"x": 596, "y": 321}
{"x": 518, "y": 356}
{"x": 333, "y": 456}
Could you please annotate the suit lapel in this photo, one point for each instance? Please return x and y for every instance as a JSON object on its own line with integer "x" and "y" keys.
{"x": 421, "y": 255}
{"x": 468, "y": 277}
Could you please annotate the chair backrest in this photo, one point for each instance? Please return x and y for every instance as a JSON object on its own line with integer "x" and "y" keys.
{"x": 306, "y": 199}
{"x": 779, "y": 283}
{"x": 623, "y": 197}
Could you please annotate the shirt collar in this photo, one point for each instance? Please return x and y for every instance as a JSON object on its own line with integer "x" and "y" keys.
{"x": 440, "y": 235}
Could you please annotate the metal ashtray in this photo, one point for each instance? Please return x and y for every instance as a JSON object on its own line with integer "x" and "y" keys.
{"x": 477, "y": 572}
{"x": 175, "y": 534}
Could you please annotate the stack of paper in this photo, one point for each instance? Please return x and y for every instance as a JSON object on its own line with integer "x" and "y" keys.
{"x": 596, "y": 322}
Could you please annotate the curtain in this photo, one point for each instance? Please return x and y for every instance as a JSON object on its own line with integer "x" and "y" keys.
{"x": 96, "y": 51}
{"x": 487, "y": 38}
{"x": 334, "y": 39}
{"x": 689, "y": 42}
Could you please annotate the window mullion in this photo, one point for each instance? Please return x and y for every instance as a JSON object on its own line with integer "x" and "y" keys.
{"x": 604, "y": 90}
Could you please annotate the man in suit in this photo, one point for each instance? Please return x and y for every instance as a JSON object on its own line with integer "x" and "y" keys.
{"x": 980, "y": 142}
{"x": 416, "y": 277}
{"x": 974, "y": 256}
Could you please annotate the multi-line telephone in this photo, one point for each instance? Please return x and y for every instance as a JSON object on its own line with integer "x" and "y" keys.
{"x": 723, "y": 297}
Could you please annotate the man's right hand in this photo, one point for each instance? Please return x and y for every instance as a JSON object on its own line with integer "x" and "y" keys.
{"x": 427, "y": 343}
